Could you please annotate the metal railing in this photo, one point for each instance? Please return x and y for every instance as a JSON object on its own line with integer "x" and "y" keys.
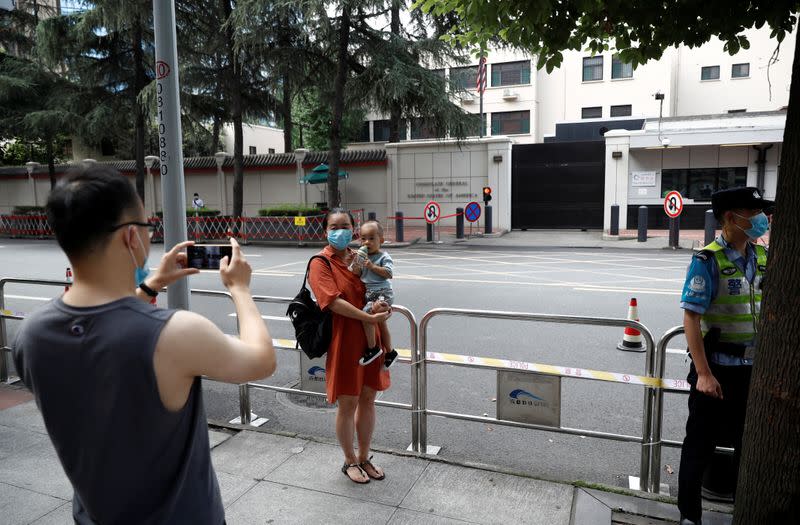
{"x": 678, "y": 387}
{"x": 244, "y": 389}
{"x": 5, "y": 350}
{"x": 654, "y": 386}
{"x": 647, "y": 418}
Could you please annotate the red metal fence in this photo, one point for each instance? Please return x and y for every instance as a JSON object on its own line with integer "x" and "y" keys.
{"x": 248, "y": 229}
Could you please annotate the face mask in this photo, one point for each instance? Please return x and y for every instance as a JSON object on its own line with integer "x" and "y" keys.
{"x": 141, "y": 272}
{"x": 759, "y": 225}
{"x": 339, "y": 239}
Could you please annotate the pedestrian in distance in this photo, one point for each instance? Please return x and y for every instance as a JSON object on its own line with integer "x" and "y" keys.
{"x": 352, "y": 386}
{"x": 117, "y": 379}
{"x": 721, "y": 301}
{"x": 375, "y": 267}
{"x": 197, "y": 202}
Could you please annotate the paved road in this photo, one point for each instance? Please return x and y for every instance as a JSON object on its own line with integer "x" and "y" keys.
{"x": 557, "y": 281}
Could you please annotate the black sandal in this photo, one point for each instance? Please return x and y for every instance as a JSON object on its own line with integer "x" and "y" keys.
{"x": 358, "y": 466}
{"x": 368, "y": 462}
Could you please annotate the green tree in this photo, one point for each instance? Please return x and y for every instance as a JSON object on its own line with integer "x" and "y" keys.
{"x": 107, "y": 50}
{"x": 769, "y": 479}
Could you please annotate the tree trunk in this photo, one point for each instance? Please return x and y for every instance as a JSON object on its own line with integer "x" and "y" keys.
{"x": 286, "y": 115}
{"x": 139, "y": 81}
{"x": 338, "y": 110}
{"x": 51, "y": 165}
{"x": 235, "y": 96}
{"x": 769, "y": 477}
{"x": 395, "y": 132}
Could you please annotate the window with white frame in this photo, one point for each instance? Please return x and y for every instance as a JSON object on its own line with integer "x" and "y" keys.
{"x": 740, "y": 70}
{"x": 709, "y": 73}
{"x": 592, "y": 112}
{"x": 511, "y": 122}
{"x": 511, "y": 73}
{"x": 620, "y": 69}
{"x": 622, "y": 111}
{"x": 592, "y": 68}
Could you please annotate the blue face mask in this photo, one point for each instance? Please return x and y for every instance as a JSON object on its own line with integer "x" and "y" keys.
{"x": 759, "y": 225}
{"x": 141, "y": 272}
{"x": 339, "y": 239}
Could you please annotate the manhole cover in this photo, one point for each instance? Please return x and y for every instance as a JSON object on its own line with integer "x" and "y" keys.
{"x": 305, "y": 402}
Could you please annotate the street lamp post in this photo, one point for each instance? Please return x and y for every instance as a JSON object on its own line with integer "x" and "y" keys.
{"x": 30, "y": 167}
{"x": 220, "y": 157}
{"x": 299, "y": 156}
{"x": 152, "y": 205}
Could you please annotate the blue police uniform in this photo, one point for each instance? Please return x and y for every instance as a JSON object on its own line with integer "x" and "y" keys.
{"x": 724, "y": 287}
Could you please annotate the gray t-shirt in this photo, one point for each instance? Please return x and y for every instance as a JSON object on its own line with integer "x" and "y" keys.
{"x": 372, "y": 280}
{"x": 129, "y": 459}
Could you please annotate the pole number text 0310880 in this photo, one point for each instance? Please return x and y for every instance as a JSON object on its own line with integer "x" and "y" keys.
{"x": 162, "y": 128}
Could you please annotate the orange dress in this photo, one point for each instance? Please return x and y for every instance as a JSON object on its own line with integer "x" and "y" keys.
{"x": 343, "y": 374}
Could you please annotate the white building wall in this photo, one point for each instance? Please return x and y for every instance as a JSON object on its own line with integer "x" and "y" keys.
{"x": 705, "y": 97}
{"x": 263, "y": 138}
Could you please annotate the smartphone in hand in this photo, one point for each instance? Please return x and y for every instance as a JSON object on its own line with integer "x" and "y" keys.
{"x": 207, "y": 256}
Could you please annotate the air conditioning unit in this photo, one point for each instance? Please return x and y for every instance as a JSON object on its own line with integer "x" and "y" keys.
{"x": 467, "y": 98}
{"x": 510, "y": 94}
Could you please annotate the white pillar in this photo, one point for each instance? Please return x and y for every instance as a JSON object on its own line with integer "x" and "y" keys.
{"x": 150, "y": 187}
{"x": 222, "y": 189}
{"x": 299, "y": 157}
{"x": 30, "y": 167}
{"x": 617, "y": 177}
{"x": 498, "y": 161}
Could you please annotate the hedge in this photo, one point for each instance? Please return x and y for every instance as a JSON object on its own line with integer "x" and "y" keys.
{"x": 200, "y": 212}
{"x": 289, "y": 210}
{"x": 28, "y": 210}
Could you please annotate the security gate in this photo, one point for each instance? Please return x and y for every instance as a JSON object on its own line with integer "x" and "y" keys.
{"x": 558, "y": 185}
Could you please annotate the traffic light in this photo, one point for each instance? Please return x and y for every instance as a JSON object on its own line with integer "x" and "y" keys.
{"x": 487, "y": 195}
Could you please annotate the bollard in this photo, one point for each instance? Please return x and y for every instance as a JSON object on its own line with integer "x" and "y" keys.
{"x": 487, "y": 210}
{"x": 372, "y": 216}
{"x": 642, "y": 224}
{"x": 710, "y": 227}
{"x": 429, "y": 231}
{"x": 460, "y": 223}
{"x": 614, "y": 230}
{"x": 674, "y": 232}
{"x": 398, "y": 226}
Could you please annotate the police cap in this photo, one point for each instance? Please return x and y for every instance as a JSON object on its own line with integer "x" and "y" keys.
{"x": 739, "y": 198}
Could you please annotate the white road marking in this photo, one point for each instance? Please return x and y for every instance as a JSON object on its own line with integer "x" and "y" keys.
{"x": 676, "y": 351}
{"x": 627, "y": 291}
{"x": 267, "y": 317}
{"x": 28, "y": 298}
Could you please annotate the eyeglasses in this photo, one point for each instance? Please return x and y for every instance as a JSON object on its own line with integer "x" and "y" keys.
{"x": 151, "y": 228}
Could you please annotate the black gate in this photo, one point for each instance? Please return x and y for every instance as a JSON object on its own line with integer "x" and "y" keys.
{"x": 558, "y": 185}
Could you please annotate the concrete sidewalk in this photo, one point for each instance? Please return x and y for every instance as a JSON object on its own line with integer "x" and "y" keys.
{"x": 270, "y": 478}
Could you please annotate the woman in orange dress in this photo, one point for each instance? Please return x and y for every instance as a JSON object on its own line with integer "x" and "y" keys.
{"x": 353, "y": 386}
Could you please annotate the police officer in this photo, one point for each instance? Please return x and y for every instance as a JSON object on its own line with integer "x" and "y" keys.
{"x": 721, "y": 302}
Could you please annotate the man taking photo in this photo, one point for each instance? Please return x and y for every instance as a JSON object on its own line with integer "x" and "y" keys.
{"x": 117, "y": 379}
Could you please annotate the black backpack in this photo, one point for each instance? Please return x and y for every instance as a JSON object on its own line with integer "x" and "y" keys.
{"x": 312, "y": 326}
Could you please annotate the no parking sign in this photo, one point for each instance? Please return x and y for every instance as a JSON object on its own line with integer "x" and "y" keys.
{"x": 472, "y": 212}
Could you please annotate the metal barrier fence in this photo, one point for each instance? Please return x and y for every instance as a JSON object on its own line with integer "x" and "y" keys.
{"x": 678, "y": 386}
{"x": 248, "y": 229}
{"x": 424, "y": 357}
{"x": 653, "y": 382}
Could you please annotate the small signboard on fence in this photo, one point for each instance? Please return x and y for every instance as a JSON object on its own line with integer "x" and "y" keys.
{"x": 528, "y": 397}
{"x": 312, "y": 373}
{"x": 299, "y": 221}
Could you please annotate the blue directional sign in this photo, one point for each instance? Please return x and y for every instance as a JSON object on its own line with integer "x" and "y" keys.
{"x": 472, "y": 212}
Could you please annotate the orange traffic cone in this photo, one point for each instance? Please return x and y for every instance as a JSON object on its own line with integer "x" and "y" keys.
{"x": 69, "y": 279}
{"x": 632, "y": 339}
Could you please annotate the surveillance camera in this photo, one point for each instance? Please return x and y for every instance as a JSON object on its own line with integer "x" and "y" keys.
{"x": 665, "y": 142}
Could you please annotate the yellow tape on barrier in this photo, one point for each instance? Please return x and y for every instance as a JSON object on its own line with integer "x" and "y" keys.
{"x": 562, "y": 371}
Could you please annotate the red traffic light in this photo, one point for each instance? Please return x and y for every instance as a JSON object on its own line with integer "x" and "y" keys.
{"x": 487, "y": 194}
{"x": 487, "y": 190}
